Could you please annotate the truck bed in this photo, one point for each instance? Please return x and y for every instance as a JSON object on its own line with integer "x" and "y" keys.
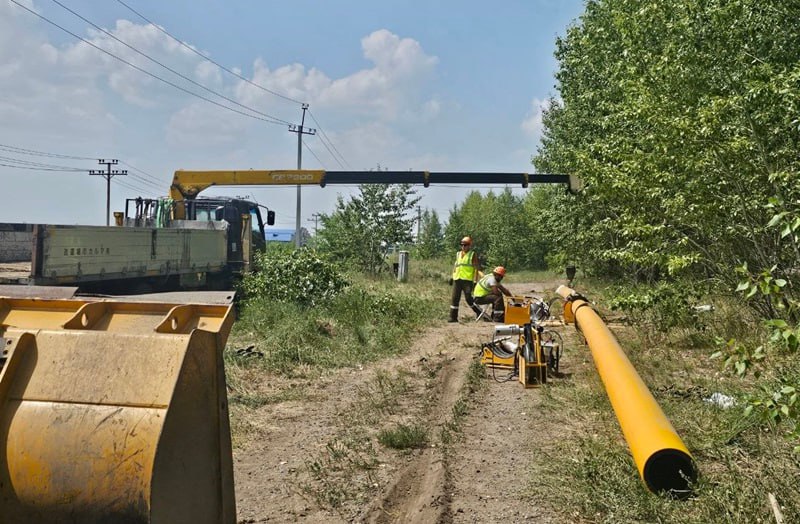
{"x": 74, "y": 255}
{"x": 15, "y": 272}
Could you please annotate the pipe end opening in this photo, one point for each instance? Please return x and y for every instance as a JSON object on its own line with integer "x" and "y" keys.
{"x": 672, "y": 472}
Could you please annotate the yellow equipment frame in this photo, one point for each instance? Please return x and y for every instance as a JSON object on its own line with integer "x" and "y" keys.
{"x": 532, "y": 371}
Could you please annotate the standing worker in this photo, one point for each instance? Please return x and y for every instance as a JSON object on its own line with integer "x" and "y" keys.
{"x": 490, "y": 291}
{"x": 465, "y": 274}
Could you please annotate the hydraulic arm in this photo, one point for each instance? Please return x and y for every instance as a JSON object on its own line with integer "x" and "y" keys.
{"x": 186, "y": 185}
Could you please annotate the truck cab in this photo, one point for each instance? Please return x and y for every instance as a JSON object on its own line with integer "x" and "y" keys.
{"x": 233, "y": 211}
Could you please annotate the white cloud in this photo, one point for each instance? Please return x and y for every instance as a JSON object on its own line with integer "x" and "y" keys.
{"x": 133, "y": 85}
{"x": 387, "y": 90}
{"x": 391, "y": 87}
{"x": 396, "y": 57}
{"x": 74, "y": 99}
{"x": 532, "y": 124}
{"x": 208, "y": 74}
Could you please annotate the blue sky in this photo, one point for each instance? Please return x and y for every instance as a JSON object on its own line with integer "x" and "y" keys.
{"x": 439, "y": 86}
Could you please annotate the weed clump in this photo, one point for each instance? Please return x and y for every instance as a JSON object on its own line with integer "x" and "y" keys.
{"x": 404, "y": 437}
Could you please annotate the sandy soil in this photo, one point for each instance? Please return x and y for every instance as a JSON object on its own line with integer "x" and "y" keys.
{"x": 315, "y": 457}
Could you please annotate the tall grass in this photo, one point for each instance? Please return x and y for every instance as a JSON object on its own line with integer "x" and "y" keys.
{"x": 374, "y": 318}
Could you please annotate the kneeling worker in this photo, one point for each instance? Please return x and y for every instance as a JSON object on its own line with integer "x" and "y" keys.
{"x": 489, "y": 290}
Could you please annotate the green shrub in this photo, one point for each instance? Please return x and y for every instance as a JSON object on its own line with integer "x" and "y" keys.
{"x": 299, "y": 276}
{"x": 663, "y": 306}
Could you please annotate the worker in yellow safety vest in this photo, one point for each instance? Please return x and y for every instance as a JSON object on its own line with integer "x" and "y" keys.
{"x": 489, "y": 290}
{"x": 465, "y": 274}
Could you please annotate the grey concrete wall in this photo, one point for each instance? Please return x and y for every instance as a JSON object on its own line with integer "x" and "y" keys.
{"x": 16, "y": 242}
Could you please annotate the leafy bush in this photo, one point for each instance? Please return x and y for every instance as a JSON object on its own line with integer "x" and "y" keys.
{"x": 663, "y": 306}
{"x": 299, "y": 276}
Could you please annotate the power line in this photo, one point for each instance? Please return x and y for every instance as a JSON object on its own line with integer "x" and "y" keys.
{"x": 146, "y": 182}
{"x": 314, "y": 155}
{"x": 329, "y": 140}
{"x": 140, "y": 191}
{"x": 33, "y": 152}
{"x": 26, "y": 164}
{"x": 141, "y": 171}
{"x": 39, "y": 164}
{"x": 204, "y": 57}
{"x": 198, "y": 84}
{"x": 70, "y": 170}
{"x": 148, "y": 73}
{"x": 237, "y": 75}
{"x": 331, "y": 152}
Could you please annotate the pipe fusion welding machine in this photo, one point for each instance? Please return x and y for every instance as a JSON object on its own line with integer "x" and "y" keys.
{"x": 522, "y": 345}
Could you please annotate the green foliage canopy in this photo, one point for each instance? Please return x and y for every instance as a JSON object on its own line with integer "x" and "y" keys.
{"x": 361, "y": 230}
{"x": 430, "y": 243}
{"x": 682, "y": 118}
{"x": 502, "y": 230}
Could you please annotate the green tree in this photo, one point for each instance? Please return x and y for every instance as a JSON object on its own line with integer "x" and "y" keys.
{"x": 361, "y": 230}
{"x": 682, "y": 119}
{"x": 501, "y": 230}
{"x": 430, "y": 243}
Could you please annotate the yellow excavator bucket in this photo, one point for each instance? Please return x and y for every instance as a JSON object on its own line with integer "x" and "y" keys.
{"x": 114, "y": 411}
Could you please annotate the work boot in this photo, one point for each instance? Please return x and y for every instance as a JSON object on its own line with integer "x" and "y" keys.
{"x": 476, "y": 309}
{"x": 453, "y": 315}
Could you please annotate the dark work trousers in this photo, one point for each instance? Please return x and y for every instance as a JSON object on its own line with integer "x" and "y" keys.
{"x": 498, "y": 305}
{"x": 460, "y": 286}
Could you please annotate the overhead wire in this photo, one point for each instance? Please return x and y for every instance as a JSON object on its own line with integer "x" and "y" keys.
{"x": 141, "y": 171}
{"x": 193, "y": 50}
{"x": 329, "y": 151}
{"x": 171, "y": 70}
{"x": 145, "y": 181}
{"x": 319, "y": 126}
{"x": 39, "y": 164}
{"x": 148, "y": 73}
{"x": 314, "y": 155}
{"x": 33, "y": 152}
{"x": 237, "y": 75}
{"x": 70, "y": 170}
{"x": 139, "y": 190}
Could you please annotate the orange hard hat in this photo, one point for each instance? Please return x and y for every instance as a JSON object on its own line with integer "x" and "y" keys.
{"x": 499, "y": 271}
{"x": 466, "y": 240}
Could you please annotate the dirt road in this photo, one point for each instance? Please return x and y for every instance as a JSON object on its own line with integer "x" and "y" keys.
{"x": 314, "y": 454}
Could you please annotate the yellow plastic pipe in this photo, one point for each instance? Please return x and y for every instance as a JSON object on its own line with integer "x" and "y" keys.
{"x": 663, "y": 461}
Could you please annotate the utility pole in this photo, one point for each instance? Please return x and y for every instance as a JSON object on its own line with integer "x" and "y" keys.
{"x": 108, "y": 174}
{"x": 315, "y": 219}
{"x": 300, "y": 130}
